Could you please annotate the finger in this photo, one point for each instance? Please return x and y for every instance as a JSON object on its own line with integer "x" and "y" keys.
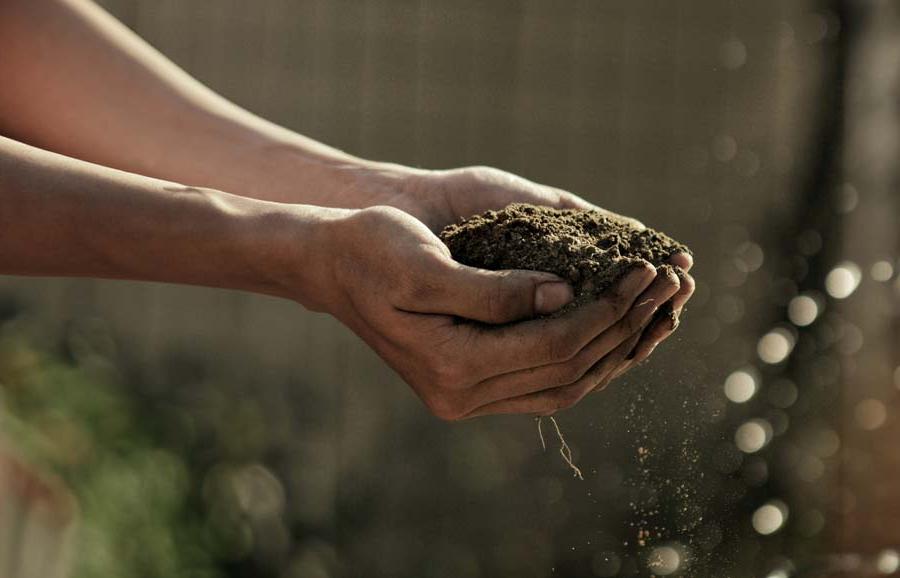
{"x": 688, "y": 285}
{"x": 550, "y": 401}
{"x": 496, "y": 350}
{"x": 553, "y": 375}
{"x": 662, "y": 328}
{"x": 494, "y": 297}
{"x": 658, "y": 331}
{"x": 683, "y": 260}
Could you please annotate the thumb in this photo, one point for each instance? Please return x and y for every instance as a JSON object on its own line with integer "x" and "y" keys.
{"x": 500, "y": 296}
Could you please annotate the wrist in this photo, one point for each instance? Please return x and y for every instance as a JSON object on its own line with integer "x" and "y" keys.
{"x": 299, "y": 172}
{"x": 290, "y": 249}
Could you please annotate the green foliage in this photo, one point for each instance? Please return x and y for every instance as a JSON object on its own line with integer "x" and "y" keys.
{"x": 80, "y": 422}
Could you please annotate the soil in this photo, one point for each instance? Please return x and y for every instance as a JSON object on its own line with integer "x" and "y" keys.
{"x": 590, "y": 249}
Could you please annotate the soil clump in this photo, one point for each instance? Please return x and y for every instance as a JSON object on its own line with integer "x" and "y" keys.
{"x": 590, "y": 249}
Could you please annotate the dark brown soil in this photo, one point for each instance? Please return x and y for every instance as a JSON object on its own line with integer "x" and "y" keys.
{"x": 590, "y": 249}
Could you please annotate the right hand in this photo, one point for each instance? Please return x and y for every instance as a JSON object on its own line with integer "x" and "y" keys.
{"x": 393, "y": 282}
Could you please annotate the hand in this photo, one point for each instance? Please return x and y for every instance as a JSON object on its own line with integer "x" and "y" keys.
{"x": 439, "y": 198}
{"x": 391, "y": 280}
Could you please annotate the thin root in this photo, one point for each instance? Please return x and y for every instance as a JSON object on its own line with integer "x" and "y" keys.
{"x": 540, "y": 420}
{"x": 564, "y": 450}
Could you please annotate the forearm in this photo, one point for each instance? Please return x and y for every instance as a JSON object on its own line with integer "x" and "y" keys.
{"x": 64, "y": 217}
{"x": 84, "y": 85}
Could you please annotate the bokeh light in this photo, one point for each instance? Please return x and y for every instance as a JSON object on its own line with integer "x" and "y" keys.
{"x": 803, "y": 310}
{"x": 782, "y": 393}
{"x": 810, "y": 469}
{"x": 749, "y": 257}
{"x": 870, "y": 414}
{"x": 847, "y": 199}
{"x": 664, "y": 560}
{"x": 843, "y": 280}
{"x": 753, "y": 435}
{"x": 825, "y": 442}
{"x": 740, "y": 386}
{"x": 882, "y": 271}
{"x": 724, "y": 148}
{"x": 770, "y": 517}
{"x": 733, "y": 54}
{"x": 775, "y": 346}
{"x": 888, "y": 561}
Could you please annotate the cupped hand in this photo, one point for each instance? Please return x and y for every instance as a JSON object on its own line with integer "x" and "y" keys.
{"x": 392, "y": 281}
{"x": 439, "y": 198}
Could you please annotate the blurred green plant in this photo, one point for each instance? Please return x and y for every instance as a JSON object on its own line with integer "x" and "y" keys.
{"x": 79, "y": 421}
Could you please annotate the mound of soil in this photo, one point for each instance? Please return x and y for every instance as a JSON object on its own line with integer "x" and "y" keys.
{"x": 590, "y": 249}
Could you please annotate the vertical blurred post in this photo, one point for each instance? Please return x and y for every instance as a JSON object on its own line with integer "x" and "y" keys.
{"x": 36, "y": 520}
{"x": 869, "y": 496}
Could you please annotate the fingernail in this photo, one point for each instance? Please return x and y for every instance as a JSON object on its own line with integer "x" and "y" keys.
{"x": 549, "y": 297}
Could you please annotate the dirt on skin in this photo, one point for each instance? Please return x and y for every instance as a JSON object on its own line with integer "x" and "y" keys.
{"x": 590, "y": 249}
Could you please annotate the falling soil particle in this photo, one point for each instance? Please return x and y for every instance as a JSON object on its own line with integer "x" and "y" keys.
{"x": 590, "y": 249}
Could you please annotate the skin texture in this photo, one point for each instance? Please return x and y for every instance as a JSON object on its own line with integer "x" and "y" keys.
{"x": 135, "y": 188}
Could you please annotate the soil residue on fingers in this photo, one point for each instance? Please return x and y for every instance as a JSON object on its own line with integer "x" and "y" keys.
{"x": 590, "y": 249}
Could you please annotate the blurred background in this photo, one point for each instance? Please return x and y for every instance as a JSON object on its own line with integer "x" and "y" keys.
{"x": 161, "y": 431}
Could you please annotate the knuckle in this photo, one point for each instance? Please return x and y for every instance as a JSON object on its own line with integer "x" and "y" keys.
{"x": 445, "y": 375}
{"x": 444, "y": 408}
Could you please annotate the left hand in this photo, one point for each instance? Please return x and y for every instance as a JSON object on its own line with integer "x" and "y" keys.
{"x": 440, "y": 198}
